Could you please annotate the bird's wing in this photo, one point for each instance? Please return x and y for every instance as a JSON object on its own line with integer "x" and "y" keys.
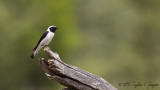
{"x": 42, "y": 37}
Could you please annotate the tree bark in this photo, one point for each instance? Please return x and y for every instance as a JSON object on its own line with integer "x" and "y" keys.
{"x": 70, "y": 76}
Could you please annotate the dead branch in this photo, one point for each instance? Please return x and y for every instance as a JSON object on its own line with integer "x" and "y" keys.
{"x": 70, "y": 76}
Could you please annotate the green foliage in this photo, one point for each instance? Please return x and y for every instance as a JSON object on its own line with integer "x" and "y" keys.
{"x": 122, "y": 44}
{"x": 117, "y": 40}
{"x": 22, "y": 23}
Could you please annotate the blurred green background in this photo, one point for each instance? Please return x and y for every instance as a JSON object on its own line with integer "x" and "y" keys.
{"x": 118, "y": 40}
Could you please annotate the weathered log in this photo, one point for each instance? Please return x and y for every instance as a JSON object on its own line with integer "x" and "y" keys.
{"x": 70, "y": 76}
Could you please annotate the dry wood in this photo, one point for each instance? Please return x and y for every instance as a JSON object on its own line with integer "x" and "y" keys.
{"x": 70, "y": 76}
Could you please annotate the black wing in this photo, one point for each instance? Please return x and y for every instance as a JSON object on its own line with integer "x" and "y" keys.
{"x": 42, "y": 37}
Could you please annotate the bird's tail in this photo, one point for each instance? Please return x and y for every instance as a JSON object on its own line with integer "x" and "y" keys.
{"x": 33, "y": 55}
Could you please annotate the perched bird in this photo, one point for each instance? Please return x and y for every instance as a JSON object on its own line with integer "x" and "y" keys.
{"x": 45, "y": 39}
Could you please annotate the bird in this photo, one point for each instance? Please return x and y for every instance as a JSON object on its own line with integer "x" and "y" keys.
{"x": 45, "y": 39}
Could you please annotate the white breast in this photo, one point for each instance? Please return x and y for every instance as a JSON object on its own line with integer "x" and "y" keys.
{"x": 47, "y": 39}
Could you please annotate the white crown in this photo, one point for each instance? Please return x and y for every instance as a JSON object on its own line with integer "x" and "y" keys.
{"x": 51, "y": 26}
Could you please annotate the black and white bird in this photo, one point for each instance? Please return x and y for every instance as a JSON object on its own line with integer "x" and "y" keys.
{"x": 45, "y": 39}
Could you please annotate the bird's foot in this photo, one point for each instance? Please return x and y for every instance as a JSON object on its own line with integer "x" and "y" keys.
{"x": 46, "y": 46}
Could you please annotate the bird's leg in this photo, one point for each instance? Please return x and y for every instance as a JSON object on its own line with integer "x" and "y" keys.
{"x": 46, "y": 46}
{"x": 43, "y": 45}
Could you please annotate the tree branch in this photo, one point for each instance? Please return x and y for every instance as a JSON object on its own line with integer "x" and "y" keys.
{"x": 70, "y": 76}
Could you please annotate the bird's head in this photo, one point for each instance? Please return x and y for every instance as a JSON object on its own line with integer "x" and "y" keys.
{"x": 53, "y": 28}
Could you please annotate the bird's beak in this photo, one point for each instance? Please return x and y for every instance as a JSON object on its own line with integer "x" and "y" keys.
{"x": 57, "y": 27}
